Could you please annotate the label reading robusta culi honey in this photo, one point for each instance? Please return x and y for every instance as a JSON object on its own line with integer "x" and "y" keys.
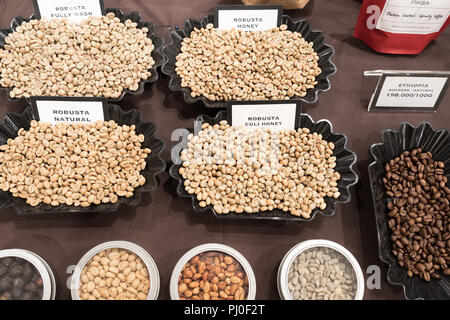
{"x": 276, "y": 115}
{"x": 71, "y": 110}
{"x": 72, "y": 10}
{"x": 248, "y": 18}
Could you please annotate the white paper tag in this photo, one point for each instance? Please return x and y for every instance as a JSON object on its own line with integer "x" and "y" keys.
{"x": 414, "y": 16}
{"x": 411, "y": 92}
{"x": 273, "y": 116}
{"x": 248, "y": 18}
{"x": 71, "y": 111}
{"x": 72, "y": 10}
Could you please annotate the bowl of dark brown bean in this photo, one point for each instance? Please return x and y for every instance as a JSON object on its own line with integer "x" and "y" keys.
{"x": 25, "y": 276}
{"x": 410, "y": 189}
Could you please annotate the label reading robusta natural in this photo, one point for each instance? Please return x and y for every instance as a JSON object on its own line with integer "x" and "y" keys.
{"x": 268, "y": 115}
{"x": 248, "y": 18}
{"x": 70, "y": 110}
{"x": 72, "y": 10}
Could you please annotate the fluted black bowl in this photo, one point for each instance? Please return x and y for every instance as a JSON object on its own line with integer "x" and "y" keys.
{"x": 345, "y": 159}
{"x": 323, "y": 50}
{"x": 394, "y": 143}
{"x": 11, "y": 124}
{"x": 135, "y": 17}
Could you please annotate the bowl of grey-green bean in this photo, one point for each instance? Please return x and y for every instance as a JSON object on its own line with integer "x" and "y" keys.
{"x": 320, "y": 270}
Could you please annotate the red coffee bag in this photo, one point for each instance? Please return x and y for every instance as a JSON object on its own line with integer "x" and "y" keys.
{"x": 401, "y": 26}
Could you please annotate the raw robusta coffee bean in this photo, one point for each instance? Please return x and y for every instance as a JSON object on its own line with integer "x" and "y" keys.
{"x": 19, "y": 280}
{"x": 419, "y": 213}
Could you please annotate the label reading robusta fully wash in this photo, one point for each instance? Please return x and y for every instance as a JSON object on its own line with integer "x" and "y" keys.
{"x": 72, "y": 10}
{"x": 419, "y": 92}
{"x": 71, "y": 110}
{"x": 277, "y": 115}
{"x": 248, "y": 18}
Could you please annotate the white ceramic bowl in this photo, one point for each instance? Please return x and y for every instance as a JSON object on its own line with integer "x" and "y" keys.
{"x": 285, "y": 265}
{"x": 41, "y": 266}
{"x": 141, "y": 252}
{"x": 212, "y": 247}
{"x": 50, "y": 273}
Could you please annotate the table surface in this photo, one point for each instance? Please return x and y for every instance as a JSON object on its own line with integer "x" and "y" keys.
{"x": 166, "y": 225}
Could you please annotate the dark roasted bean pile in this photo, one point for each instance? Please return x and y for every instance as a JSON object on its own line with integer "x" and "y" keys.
{"x": 419, "y": 213}
{"x": 19, "y": 280}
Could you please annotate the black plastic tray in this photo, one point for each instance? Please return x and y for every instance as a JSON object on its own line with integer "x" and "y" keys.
{"x": 394, "y": 143}
{"x": 323, "y": 50}
{"x": 11, "y": 124}
{"x": 345, "y": 160}
{"x": 135, "y": 17}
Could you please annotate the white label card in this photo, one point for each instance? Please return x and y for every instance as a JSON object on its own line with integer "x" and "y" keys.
{"x": 410, "y": 91}
{"x": 248, "y": 18}
{"x": 414, "y": 16}
{"x": 72, "y": 10}
{"x": 274, "y": 116}
{"x": 71, "y": 110}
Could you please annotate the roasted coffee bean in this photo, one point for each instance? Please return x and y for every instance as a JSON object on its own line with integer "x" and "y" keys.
{"x": 6, "y": 284}
{"x": 28, "y": 296}
{"x": 7, "y": 261}
{"x": 418, "y": 202}
{"x": 19, "y": 280}
{"x": 6, "y": 296}
{"x": 435, "y": 276}
{"x": 18, "y": 283}
{"x": 420, "y": 267}
{"x": 28, "y": 272}
{"x": 16, "y": 292}
{"x": 3, "y": 269}
{"x": 16, "y": 271}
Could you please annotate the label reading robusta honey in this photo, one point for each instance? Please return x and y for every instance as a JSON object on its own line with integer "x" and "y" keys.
{"x": 279, "y": 115}
{"x": 72, "y": 10}
{"x": 248, "y": 18}
{"x": 71, "y": 110}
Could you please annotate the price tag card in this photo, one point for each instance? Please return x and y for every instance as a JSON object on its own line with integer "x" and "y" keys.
{"x": 72, "y": 10}
{"x": 69, "y": 109}
{"x": 420, "y": 92}
{"x": 270, "y": 114}
{"x": 248, "y": 18}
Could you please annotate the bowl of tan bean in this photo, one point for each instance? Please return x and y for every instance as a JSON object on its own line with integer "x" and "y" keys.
{"x": 116, "y": 270}
{"x": 212, "y": 271}
{"x": 410, "y": 185}
{"x": 320, "y": 270}
{"x": 287, "y": 175}
{"x": 107, "y": 56}
{"x": 74, "y": 168}
{"x": 215, "y": 66}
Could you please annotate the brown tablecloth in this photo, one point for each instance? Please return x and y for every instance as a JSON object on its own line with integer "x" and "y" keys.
{"x": 166, "y": 225}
